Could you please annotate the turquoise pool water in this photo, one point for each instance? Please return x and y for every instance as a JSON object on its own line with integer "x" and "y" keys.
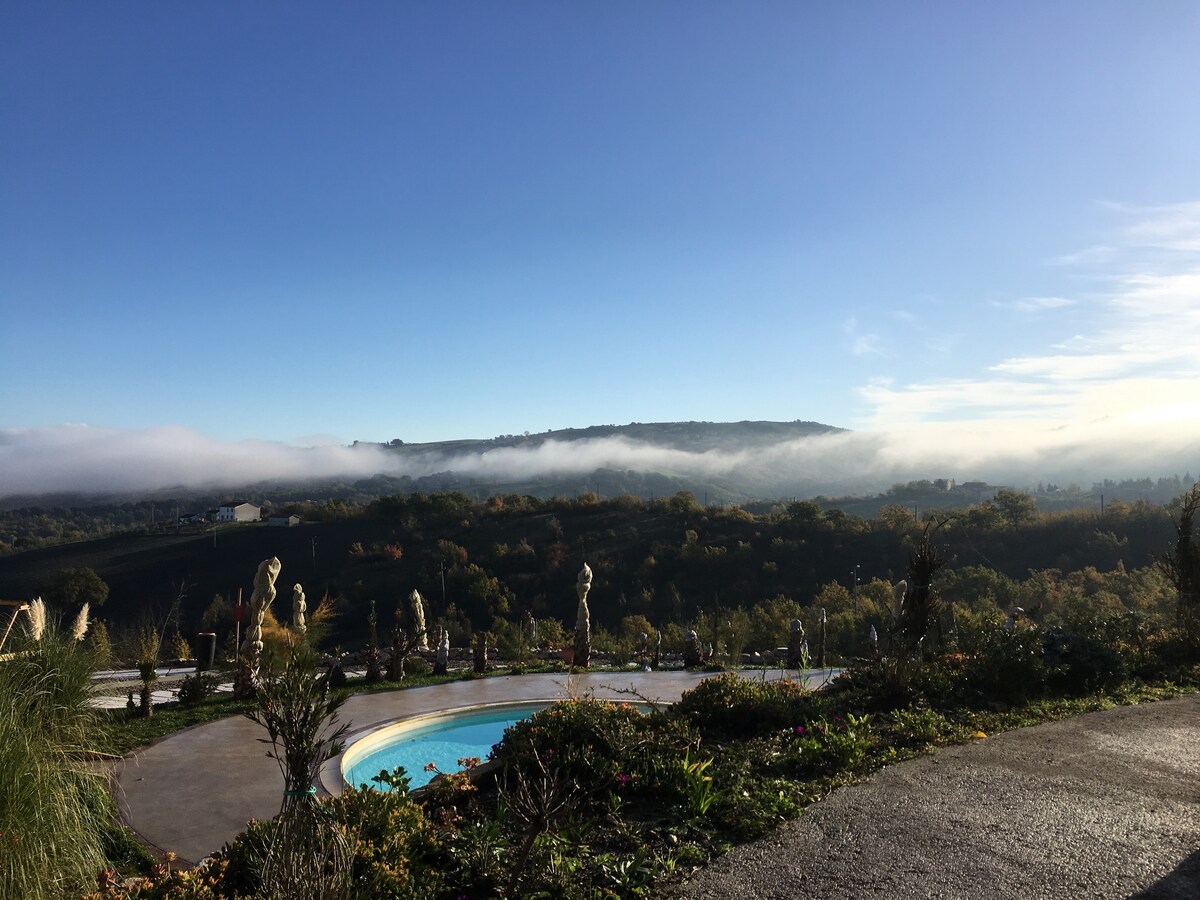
{"x": 442, "y": 740}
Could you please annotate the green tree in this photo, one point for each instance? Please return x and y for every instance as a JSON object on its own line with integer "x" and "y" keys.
{"x": 218, "y": 615}
{"x": 76, "y": 586}
{"x": 1016, "y": 507}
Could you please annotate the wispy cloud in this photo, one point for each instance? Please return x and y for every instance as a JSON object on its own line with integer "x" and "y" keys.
{"x": 1139, "y": 360}
{"x": 861, "y": 343}
{"x": 1036, "y": 304}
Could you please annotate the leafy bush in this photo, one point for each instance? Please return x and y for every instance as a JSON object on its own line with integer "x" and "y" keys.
{"x": 919, "y": 727}
{"x": 1005, "y": 666}
{"x": 729, "y": 706}
{"x": 1080, "y": 663}
{"x": 826, "y": 747}
{"x": 396, "y": 851}
{"x": 196, "y": 688}
{"x": 416, "y": 666}
{"x": 594, "y": 743}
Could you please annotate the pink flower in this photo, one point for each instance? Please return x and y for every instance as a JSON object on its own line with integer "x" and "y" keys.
{"x": 799, "y": 729}
{"x": 623, "y": 778}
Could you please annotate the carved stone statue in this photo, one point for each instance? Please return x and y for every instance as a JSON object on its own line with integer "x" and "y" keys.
{"x": 417, "y": 602}
{"x": 442, "y": 665}
{"x": 899, "y": 589}
{"x": 796, "y": 645}
{"x": 583, "y": 624}
{"x": 693, "y": 653}
{"x": 252, "y": 647}
{"x": 299, "y": 608}
{"x": 481, "y": 658}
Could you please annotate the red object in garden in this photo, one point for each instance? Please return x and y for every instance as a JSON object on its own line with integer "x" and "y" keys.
{"x": 239, "y": 613}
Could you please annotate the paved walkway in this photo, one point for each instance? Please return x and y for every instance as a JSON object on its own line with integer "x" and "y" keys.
{"x": 1102, "y": 805}
{"x": 194, "y": 790}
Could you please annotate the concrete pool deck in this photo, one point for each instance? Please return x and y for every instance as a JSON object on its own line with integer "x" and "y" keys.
{"x": 192, "y": 791}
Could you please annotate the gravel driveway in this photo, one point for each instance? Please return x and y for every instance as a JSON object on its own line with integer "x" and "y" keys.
{"x": 1103, "y": 805}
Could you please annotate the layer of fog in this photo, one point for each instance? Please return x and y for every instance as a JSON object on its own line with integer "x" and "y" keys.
{"x": 90, "y": 460}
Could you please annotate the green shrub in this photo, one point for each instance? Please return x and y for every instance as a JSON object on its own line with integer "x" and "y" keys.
{"x": 196, "y": 688}
{"x": 729, "y": 706}
{"x": 829, "y": 747}
{"x": 1005, "y": 666}
{"x": 416, "y": 666}
{"x": 919, "y": 728}
{"x": 594, "y": 742}
{"x": 396, "y": 851}
{"x": 1080, "y": 663}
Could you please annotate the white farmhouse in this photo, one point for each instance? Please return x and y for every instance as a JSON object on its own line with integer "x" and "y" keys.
{"x": 238, "y": 511}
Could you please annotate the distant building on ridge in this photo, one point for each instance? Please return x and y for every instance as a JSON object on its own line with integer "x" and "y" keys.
{"x": 239, "y": 511}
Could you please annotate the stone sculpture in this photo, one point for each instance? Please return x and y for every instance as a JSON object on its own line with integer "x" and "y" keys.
{"x": 299, "y": 608}
{"x": 481, "y": 658}
{"x": 260, "y": 602}
{"x": 796, "y": 645}
{"x": 693, "y": 653}
{"x": 583, "y": 623}
{"x": 252, "y": 647}
{"x": 417, "y": 602}
{"x": 442, "y": 664}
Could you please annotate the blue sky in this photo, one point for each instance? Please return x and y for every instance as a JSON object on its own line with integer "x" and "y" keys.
{"x": 438, "y": 220}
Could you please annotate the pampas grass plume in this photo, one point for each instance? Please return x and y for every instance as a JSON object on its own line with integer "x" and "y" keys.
{"x": 37, "y": 618}
{"x": 80, "y": 626}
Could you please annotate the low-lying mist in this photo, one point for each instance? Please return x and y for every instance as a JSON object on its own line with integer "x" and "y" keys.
{"x": 91, "y": 460}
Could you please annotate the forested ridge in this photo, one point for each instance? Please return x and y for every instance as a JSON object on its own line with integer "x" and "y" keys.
{"x": 668, "y": 564}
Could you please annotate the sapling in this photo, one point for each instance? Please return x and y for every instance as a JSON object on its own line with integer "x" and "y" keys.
{"x": 308, "y": 856}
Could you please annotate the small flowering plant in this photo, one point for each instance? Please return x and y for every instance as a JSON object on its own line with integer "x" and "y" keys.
{"x": 826, "y": 746}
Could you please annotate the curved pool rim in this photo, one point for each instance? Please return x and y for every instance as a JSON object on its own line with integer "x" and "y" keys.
{"x": 359, "y": 744}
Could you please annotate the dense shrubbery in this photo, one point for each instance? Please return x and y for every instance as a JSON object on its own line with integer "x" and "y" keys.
{"x": 196, "y": 688}
{"x": 53, "y": 820}
{"x": 728, "y": 706}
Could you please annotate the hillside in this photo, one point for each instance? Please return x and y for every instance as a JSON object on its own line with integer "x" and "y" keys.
{"x": 671, "y": 560}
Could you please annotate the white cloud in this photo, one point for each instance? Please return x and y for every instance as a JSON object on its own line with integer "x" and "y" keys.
{"x": 861, "y": 344}
{"x": 1139, "y": 362}
{"x": 1037, "y": 304}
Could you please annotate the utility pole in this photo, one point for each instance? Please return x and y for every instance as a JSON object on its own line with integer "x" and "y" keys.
{"x": 314, "y": 556}
{"x": 855, "y": 574}
{"x": 442, "y": 573}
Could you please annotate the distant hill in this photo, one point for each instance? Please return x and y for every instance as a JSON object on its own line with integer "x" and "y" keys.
{"x": 692, "y": 437}
{"x": 646, "y": 459}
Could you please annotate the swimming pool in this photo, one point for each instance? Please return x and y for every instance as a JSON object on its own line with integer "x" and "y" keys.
{"x": 442, "y": 738}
